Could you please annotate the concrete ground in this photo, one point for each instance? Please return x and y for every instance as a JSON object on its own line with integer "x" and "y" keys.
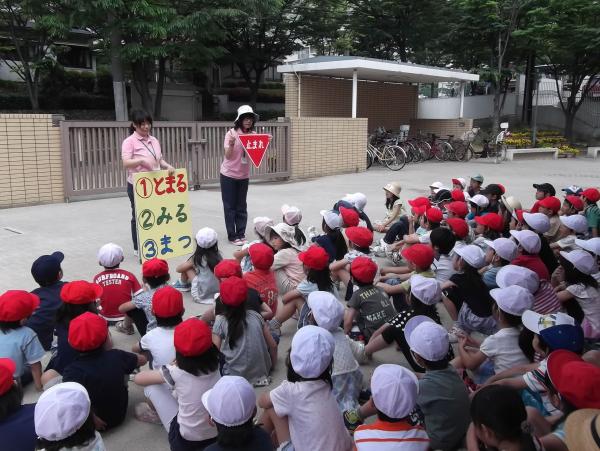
{"x": 78, "y": 229}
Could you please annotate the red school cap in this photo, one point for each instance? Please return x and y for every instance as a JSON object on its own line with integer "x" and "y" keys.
{"x": 458, "y": 208}
{"x": 591, "y": 194}
{"x": 349, "y": 216}
{"x": 227, "y": 268}
{"x": 492, "y": 220}
{"x": 167, "y": 302}
{"x": 419, "y": 202}
{"x": 261, "y": 256}
{"x": 458, "y": 226}
{"x": 363, "y": 269}
{"x": 7, "y": 369}
{"x": 16, "y": 305}
{"x": 434, "y": 215}
{"x": 419, "y": 254}
{"x": 155, "y": 267}
{"x": 80, "y": 292}
{"x": 87, "y": 332}
{"x": 192, "y": 337}
{"x": 574, "y": 379}
{"x": 458, "y": 195}
{"x": 551, "y": 203}
{"x": 361, "y": 236}
{"x": 315, "y": 257}
{"x": 575, "y": 201}
{"x": 233, "y": 291}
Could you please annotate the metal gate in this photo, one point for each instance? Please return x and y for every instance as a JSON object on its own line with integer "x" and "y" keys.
{"x": 92, "y": 153}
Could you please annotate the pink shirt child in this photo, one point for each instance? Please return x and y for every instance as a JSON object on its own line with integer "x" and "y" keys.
{"x": 236, "y": 167}
{"x": 135, "y": 146}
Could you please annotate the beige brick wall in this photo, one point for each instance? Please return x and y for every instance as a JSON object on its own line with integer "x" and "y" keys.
{"x": 30, "y": 160}
{"x": 326, "y": 146}
{"x": 441, "y": 127}
{"x": 384, "y": 104}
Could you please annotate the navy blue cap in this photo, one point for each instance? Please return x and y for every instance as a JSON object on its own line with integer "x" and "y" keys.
{"x": 573, "y": 189}
{"x": 564, "y": 336}
{"x": 45, "y": 269}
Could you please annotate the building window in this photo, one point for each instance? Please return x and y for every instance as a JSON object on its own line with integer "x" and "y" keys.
{"x": 76, "y": 57}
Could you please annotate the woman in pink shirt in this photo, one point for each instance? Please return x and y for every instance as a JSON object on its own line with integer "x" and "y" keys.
{"x": 235, "y": 176}
{"x": 140, "y": 152}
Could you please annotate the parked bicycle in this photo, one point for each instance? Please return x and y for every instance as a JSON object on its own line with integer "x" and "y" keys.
{"x": 495, "y": 149}
{"x": 387, "y": 153}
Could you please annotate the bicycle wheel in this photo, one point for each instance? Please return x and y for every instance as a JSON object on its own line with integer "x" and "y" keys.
{"x": 438, "y": 151}
{"x": 425, "y": 150}
{"x": 469, "y": 152}
{"x": 460, "y": 151}
{"x": 414, "y": 152}
{"x": 407, "y": 151}
{"x": 394, "y": 157}
{"x": 502, "y": 151}
{"x": 369, "y": 159}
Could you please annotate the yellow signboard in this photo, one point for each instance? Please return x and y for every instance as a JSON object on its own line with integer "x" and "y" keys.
{"x": 162, "y": 207}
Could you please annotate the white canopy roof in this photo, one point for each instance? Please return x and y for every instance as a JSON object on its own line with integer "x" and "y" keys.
{"x": 374, "y": 70}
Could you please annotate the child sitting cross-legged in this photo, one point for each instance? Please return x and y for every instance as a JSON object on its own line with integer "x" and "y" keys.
{"x": 194, "y": 372}
{"x": 100, "y": 369}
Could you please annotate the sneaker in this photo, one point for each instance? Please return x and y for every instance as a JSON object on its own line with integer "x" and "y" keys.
{"x": 237, "y": 242}
{"x": 120, "y": 327}
{"x": 145, "y": 413}
{"x": 182, "y": 286}
{"x": 378, "y": 251}
{"x": 455, "y": 333}
{"x": 352, "y": 420}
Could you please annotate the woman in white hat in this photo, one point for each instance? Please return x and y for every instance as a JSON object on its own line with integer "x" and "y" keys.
{"x": 234, "y": 176}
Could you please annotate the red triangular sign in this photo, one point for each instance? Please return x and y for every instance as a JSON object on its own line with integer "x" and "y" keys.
{"x": 256, "y": 146}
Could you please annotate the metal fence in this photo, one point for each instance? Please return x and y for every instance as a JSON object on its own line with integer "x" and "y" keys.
{"x": 92, "y": 153}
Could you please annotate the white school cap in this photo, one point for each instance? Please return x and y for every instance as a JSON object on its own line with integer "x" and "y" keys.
{"x": 261, "y": 223}
{"x": 425, "y": 289}
{"x": 537, "y": 221}
{"x": 206, "y": 237}
{"x": 437, "y": 186}
{"x": 518, "y": 275}
{"x": 513, "y": 299}
{"x": 359, "y": 200}
{"x": 528, "y": 240}
{"x": 461, "y": 181}
{"x": 327, "y": 311}
{"x": 480, "y": 200}
{"x": 231, "y": 402}
{"x": 110, "y": 255}
{"x": 506, "y": 249}
{"x": 472, "y": 254}
{"x": 426, "y": 338}
{"x": 394, "y": 390}
{"x": 536, "y": 322}
{"x": 592, "y": 245}
{"x": 312, "y": 351}
{"x": 577, "y": 223}
{"x": 61, "y": 411}
{"x": 332, "y": 219}
{"x": 582, "y": 261}
{"x": 291, "y": 214}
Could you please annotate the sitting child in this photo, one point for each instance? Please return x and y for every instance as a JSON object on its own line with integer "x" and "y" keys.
{"x": 442, "y": 242}
{"x": 545, "y": 300}
{"x": 359, "y": 240}
{"x": 260, "y": 230}
{"x": 286, "y": 266}
{"x": 155, "y": 274}
{"x": 64, "y": 419}
{"x": 194, "y": 372}
{"x": 101, "y": 370}
{"x": 261, "y": 278}
{"x": 231, "y": 405}
{"x": 290, "y": 409}
{"x": 18, "y": 342}
{"x": 292, "y": 216}
{"x": 393, "y": 206}
{"x": 394, "y": 396}
{"x": 118, "y": 287}
{"x": 499, "y": 253}
{"x": 197, "y": 272}
{"x": 571, "y": 228}
{"x": 47, "y": 273}
{"x": 332, "y": 239}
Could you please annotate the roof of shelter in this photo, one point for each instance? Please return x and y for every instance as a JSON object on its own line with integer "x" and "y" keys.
{"x": 375, "y": 70}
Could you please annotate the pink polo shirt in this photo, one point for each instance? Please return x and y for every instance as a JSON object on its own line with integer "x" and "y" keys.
{"x": 135, "y": 146}
{"x": 236, "y": 167}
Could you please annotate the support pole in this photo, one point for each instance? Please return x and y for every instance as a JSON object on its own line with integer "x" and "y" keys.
{"x": 462, "y": 100}
{"x": 354, "y": 92}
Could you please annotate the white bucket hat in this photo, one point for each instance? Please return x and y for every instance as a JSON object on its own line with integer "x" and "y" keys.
{"x": 231, "y": 402}
{"x": 577, "y": 223}
{"x": 206, "y": 237}
{"x": 513, "y": 299}
{"x": 505, "y": 249}
{"x": 61, "y": 411}
{"x": 110, "y": 255}
{"x": 539, "y": 222}
{"x": 292, "y": 214}
{"x": 582, "y": 261}
{"x": 528, "y": 240}
{"x": 518, "y": 275}
{"x": 312, "y": 351}
{"x": 246, "y": 109}
{"x": 592, "y": 245}
{"x": 511, "y": 203}
{"x": 472, "y": 254}
{"x": 394, "y": 390}
{"x": 394, "y": 188}
{"x": 332, "y": 218}
{"x": 327, "y": 311}
{"x": 427, "y": 338}
{"x": 286, "y": 232}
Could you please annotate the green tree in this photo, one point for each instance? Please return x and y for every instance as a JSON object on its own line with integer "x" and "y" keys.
{"x": 566, "y": 34}
{"x": 34, "y": 27}
{"x": 325, "y": 26}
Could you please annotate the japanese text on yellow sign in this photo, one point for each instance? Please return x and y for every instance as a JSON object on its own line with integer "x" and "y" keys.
{"x": 162, "y": 208}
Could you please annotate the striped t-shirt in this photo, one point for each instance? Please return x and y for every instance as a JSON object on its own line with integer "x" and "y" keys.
{"x": 385, "y": 436}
